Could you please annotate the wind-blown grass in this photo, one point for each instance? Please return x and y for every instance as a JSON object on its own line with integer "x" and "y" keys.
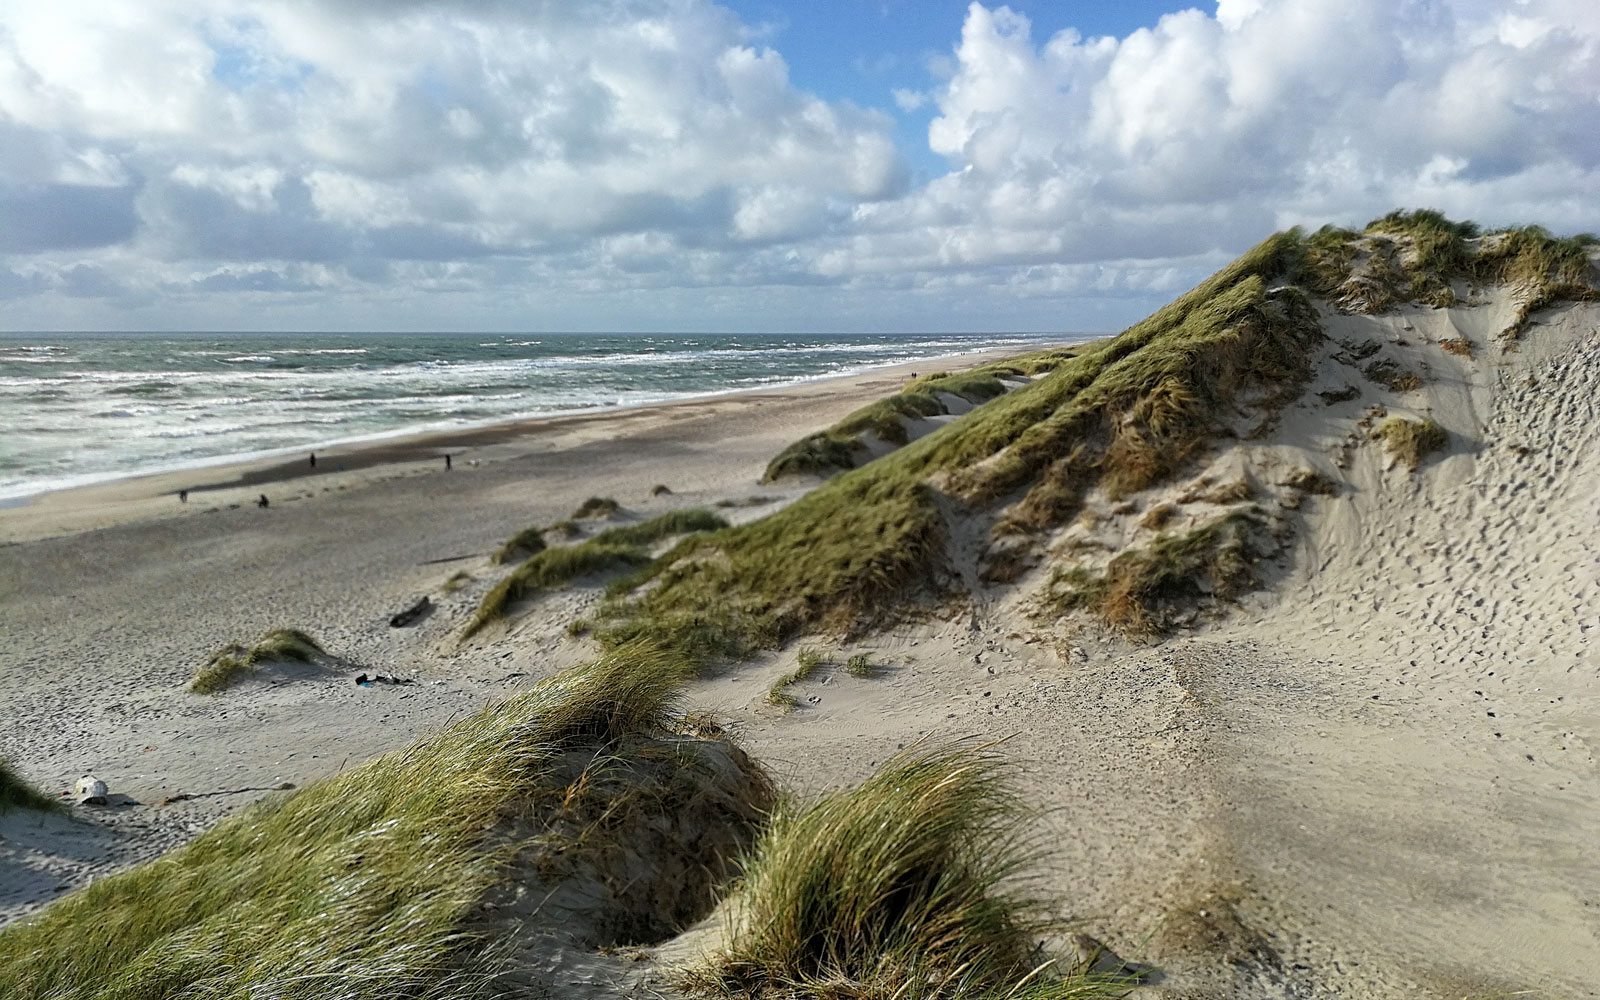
{"x": 836, "y": 448}
{"x": 367, "y": 885}
{"x": 621, "y": 547}
{"x": 909, "y": 886}
{"x": 232, "y": 664}
{"x": 16, "y": 793}
{"x": 525, "y": 543}
{"x": 1122, "y": 415}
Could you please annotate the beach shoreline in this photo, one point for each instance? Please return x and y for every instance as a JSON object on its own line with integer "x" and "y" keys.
{"x": 233, "y": 481}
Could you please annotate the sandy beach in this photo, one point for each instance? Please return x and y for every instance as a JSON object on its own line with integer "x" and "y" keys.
{"x": 113, "y": 595}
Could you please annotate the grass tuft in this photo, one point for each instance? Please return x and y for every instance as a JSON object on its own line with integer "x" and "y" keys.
{"x": 859, "y": 665}
{"x": 908, "y": 886}
{"x": 16, "y": 793}
{"x": 525, "y": 543}
{"x": 232, "y": 664}
{"x": 621, "y": 547}
{"x": 596, "y": 507}
{"x": 1410, "y": 441}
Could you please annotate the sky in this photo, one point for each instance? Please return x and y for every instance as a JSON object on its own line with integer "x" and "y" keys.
{"x": 748, "y": 166}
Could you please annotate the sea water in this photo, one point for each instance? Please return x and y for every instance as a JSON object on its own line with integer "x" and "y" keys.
{"x": 84, "y": 408}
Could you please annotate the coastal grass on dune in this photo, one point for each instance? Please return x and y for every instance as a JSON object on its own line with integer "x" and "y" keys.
{"x": 525, "y": 543}
{"x": 232, "y": 664}
{"x": 363, "y": 886}
{"x": 620, "y": 547}
{"x": 1122, "y": 414}
{"x": 836, "y": 448}
{"x": 17, "y": 793}
{"x": 1211, "y": 562}
{"x": 911, "y": 885}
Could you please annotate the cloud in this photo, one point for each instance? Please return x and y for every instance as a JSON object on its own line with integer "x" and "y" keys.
{"x": 366, "y": 155}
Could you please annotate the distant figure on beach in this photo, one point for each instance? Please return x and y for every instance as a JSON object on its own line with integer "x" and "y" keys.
{"x": 447, "y": 463}
{"x": 263, "y": 501}
{"x": 183, "y": 496}
{"x": 313, "y": 460}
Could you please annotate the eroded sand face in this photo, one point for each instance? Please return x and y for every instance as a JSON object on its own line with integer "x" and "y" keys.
{"x": 1306, "y": 797}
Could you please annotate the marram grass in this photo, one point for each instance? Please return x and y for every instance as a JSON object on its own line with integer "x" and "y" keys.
{"x": 17, "y": 793}
{"x": 835, "y": 449}
{"x": 912, "y": 885}
{"x": 232, "y": 664}
{"x": 615, "y": 548}
{"x": 362, "y": 886}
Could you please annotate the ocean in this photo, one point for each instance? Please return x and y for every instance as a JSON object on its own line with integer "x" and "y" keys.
{"x": 77, "y": 409}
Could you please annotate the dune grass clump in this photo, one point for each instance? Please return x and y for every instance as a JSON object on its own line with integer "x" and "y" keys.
{"x": 17, "y": 793}
{"x": 232, "y": 664}
{"x": 1410, "y": 441}
{"x": 596, "y": 507}
{"x": 525, "y": 543}
{"x": 1142, "y": 589}
{"x": 677, "y": 522}
{"x": 859, "y": 665}
{"x": 368, "y": 885}
{"x": 621, "y": 547}
{"x": 550, "y": 569}
{"x": 911, "y": 885}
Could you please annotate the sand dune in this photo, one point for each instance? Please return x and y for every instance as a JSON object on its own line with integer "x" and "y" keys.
{"x": 1349, "y": 750}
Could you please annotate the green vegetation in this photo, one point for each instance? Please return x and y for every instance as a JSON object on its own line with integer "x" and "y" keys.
{"x": 1140, "y": 586}
{"x": 232, "y": 664}
{"x": 596, "y": 507}
{"x": 1121, "y": 415}
{"x": 1418, "y": 256}
{"x": 677, "y": 522}
{"x": 621, "y": 547}
{"x": 525, "y": 543}
{"x": 550, "y": 569}
{"x": 15, "y": 793}
{"x": 909, "y": 886}
{"x": 1410, "y": 441}
{"x": 568, "y": 528}
{"x": 859, "y": 665}
{"x": 460, "y": 578}
{"x": 835, "y": 449}
{"x": 751, "y": 501}
{"x": 371, "y": 884}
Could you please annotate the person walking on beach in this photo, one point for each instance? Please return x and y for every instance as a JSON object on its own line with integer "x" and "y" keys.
{"x": 313, "y": 460}
{"x": 262, "y": 502}
{"x": 447, "y": 463}
{"x": 183, "y": 496}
